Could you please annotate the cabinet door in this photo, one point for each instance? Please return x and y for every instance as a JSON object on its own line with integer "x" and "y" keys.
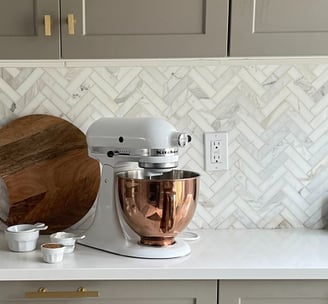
{"x": 22, "y": 29}
{"x": 114, "y": 292}
{"x": 273, "y": 292}
{"x": 279, "y": 27}
{"x": 145, "y": 28}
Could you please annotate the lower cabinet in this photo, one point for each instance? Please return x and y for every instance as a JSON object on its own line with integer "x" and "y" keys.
{"x": 166, "y": 292}
{"x": 113, "y": 292}
{"x": 273, "y": 292}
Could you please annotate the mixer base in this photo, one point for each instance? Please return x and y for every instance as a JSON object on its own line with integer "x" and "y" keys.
{"x": 135, "y": 250}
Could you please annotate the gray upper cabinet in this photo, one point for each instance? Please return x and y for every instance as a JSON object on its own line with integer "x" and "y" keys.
{"x": 278, "y": 28}
{"x": 144, "y": 28}
{"x": 29, "y": 29}
{"x": 105, "y": 29}
{"x": 119, "y": 29}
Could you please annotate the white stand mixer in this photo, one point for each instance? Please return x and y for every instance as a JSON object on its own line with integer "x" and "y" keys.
{"x": 123, "y": 144}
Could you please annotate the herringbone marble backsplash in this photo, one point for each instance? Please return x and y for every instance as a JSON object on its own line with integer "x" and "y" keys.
{"x": 276, "y": 117}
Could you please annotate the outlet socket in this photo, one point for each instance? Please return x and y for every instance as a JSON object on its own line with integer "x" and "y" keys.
{"x": 216, "y": 151}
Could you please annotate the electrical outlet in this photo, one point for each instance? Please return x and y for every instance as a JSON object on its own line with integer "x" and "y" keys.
{"x": 216, "y": 151}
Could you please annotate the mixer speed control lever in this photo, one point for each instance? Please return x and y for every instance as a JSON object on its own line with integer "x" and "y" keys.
{"x": 183, "y": 139}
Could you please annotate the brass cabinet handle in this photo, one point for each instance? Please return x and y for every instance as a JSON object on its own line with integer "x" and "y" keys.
{"x": 47, "y": 25}
{"x": 71, "y": 24}
{"x": 44, "y": 293}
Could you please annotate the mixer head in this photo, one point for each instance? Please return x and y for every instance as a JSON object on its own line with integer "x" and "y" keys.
{"x": 151, "y": 142}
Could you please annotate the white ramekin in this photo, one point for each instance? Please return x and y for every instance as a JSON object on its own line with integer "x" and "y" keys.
{"x": 20, "y": 239}
{"x": 52, "y": 252}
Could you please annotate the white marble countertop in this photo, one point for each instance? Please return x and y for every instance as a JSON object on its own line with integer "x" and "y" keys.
{"x": 221, "y": 254}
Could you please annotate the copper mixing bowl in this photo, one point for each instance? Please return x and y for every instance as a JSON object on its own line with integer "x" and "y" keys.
{"x": 160, "y": 207}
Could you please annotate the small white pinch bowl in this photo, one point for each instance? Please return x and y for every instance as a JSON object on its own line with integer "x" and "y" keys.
{"x": 52, "y": 252}
{"x": 22, "y": 237}
{"x": 67, "y": 239}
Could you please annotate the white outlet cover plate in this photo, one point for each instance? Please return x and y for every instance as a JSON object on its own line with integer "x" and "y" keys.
{"x": 216, "y": 159}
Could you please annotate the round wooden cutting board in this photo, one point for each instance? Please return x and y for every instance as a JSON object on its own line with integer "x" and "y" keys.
{"x": 49, "y": 176}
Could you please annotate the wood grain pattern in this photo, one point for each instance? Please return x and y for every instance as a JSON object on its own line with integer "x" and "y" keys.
{"x": 48, "y": 173}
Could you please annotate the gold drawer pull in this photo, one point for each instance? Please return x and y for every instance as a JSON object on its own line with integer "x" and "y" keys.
{"x": 71, "y": 24}
{"x": 44, "y": 293}
{"x": 47, "y": 25}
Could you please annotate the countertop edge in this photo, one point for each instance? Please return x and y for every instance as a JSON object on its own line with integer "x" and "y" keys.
{"x": 237, "y": 274}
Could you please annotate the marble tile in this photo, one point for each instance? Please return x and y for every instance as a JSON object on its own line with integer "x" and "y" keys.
{"x": 276, "y": 116}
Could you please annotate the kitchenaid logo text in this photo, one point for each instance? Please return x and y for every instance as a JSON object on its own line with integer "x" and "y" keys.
{"x": 165, "y": 151}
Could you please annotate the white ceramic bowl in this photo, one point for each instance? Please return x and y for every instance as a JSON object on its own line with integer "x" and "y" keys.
{"x": 52, "y": 252}
{"x": 19, "y": 239}
{"x": 67, "y": 239}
